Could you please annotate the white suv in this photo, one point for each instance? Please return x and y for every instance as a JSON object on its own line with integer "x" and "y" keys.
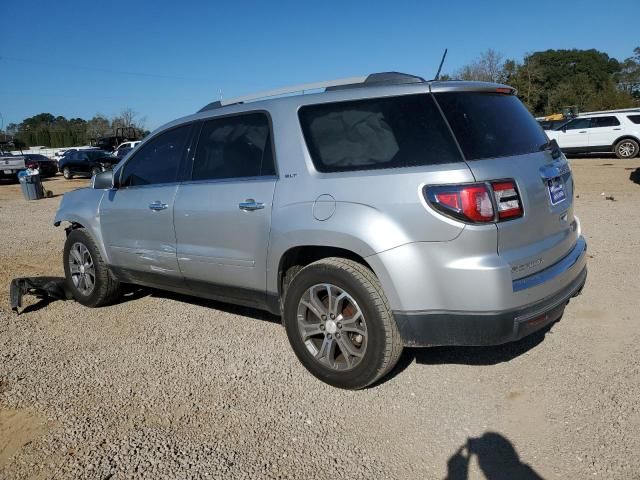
{"x": 616, "y": 131}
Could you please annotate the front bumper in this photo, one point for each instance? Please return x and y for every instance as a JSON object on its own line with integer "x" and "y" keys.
{"x": 423, "y": 329}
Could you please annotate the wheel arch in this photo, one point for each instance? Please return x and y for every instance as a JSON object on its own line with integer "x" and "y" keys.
{"x": 303, "y": 255}
{"x": 625, "y": 137}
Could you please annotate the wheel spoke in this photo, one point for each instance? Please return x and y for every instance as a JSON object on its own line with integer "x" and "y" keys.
{"x": 76, "y": 256}
{"x": 74, "y": 268}
{"x": 347, "y": 348}
{"x": 327, "y": 351}
{"x": 310, "y": 329}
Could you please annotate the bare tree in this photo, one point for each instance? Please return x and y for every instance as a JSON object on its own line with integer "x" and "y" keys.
{"x": 128, "y": 118}
{"x": 489, "y": 67}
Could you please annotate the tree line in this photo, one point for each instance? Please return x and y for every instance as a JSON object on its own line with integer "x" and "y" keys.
{"x": 549, "y": 80}
{"x": 51, "y": 131}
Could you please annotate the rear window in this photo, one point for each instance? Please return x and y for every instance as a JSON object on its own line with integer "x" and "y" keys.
{"x": 635, "y": 119}
{"x": 391, "y": 132}
{"x": 489, "y": 125}
{"x": 605, "y": 122}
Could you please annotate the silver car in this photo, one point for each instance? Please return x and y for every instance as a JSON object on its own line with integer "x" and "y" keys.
{"x": 383, "y": 212}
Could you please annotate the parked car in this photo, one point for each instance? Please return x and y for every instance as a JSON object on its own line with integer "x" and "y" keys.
{"x": 46, "y": 166}
{"x": 85, "y": 162}
{"x": 11, "y": 165}
{"x": 614, "y": 131}
{"x": 122, "y": 152}
{"x": 383, "y": 213}
{"x": 128, "y": 145}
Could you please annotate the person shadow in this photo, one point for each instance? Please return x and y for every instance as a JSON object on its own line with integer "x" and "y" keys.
{"x": 496, "y": 457}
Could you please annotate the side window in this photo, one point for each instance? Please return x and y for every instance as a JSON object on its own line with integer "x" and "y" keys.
{"x": 579, "y": 123}
{"x": 605, "y": 122}
{"x": 234, "y": 147}
{"x": 635, "y": 119}
{"x": 158, "y": 161}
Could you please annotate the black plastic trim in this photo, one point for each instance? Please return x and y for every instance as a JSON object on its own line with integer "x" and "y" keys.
{"x": 428, "y": 328}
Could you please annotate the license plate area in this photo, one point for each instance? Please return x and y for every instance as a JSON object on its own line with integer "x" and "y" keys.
{"x": 8, "y": 172}
{"x": 556, "y": 188}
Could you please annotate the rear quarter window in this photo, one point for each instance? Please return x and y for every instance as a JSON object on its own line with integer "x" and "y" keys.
{"x": 390, "y": 132}
{"x": 635, "y": 119}
{"x": 490, "y": 125}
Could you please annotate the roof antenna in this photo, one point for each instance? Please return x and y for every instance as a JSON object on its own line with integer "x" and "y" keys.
{"x": 440, "y": 67}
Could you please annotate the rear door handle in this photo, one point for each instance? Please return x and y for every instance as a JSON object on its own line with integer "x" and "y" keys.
{"x": 618, "y": 128}
{"x": 582, "y": 131}
{"x": 249, "y": 205}
{"x": 157, "y": 206}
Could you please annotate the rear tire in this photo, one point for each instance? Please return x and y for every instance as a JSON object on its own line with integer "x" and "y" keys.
{"x": 87, "y": 276}
{"x": 67, "y": 173}
{"x": 626, "y": 148}
{"x": 356, "y": 346}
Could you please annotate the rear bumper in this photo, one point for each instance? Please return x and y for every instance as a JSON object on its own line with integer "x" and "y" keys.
{"x": 422, "y": 329}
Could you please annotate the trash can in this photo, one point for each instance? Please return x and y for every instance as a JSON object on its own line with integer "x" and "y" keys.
{"x": 31, "y": 186}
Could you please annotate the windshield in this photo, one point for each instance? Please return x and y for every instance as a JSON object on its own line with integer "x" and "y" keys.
{"x": 490, "y": 125}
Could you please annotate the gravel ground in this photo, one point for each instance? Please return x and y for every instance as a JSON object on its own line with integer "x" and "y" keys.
{"x": 167, "y": 386}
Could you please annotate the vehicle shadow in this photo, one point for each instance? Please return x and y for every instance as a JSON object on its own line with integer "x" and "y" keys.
{"x": 249, "y": 312}
{"x": 635, "y": 176}
{"x": 477, "y": 356}
{"x": 496, "y": 457}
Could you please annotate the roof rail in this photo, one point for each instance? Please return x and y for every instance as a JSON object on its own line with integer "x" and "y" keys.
{"x": 619, "y": 110}
{"x": 374, "y": 79}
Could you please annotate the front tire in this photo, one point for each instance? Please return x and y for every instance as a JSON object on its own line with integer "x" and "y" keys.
{"x": 87, "y": 276}
{"x": 626, "y": 148}
{"x": 339, "y": 323}
{"x": 67, "y": 173}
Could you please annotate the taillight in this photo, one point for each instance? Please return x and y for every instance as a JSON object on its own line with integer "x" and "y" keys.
{"x": 507, "y": 199}
{"x": 471, "y": 203}
{"x": 476, "y": 202}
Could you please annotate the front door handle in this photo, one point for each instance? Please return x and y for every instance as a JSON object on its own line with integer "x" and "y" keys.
{"x": 582, "y": 131}
{"x": 157, "y": 206}
{"x": 618, "y": 128}
{"x": 249, "y": 205}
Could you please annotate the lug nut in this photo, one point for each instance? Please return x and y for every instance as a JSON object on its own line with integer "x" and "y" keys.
{"x": 324, "y": 317}
{"x": 321, "y": 327}
{"x": 337, "y": 335}
{"x": 339, "y": 325}
{"x": 329, "y": 335}
{"x": 332, "y": 316}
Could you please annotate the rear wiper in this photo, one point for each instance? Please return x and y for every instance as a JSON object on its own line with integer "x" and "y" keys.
{"x": 553, "y": 146}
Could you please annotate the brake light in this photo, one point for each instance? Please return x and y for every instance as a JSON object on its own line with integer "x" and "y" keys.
{"x": 507, "y": 199}
{"x": 477, "y": 202}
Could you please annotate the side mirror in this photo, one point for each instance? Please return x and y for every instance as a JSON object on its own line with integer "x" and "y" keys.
{"x": 564, "y": 129}
{"x": 103, "y": 181}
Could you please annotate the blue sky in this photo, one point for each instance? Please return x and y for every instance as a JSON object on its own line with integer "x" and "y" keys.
{"x": 167, "y": 59}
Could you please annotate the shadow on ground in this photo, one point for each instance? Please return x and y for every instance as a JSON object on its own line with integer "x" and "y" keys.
{"x": 496, "y": 456}
{"x": 635, "y": 176}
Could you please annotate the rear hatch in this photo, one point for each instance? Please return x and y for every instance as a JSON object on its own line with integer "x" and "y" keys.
{"x": 501, "y": 140}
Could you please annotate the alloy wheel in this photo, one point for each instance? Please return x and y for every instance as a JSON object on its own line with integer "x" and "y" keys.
{"x": 332, "y": 327}
{"x": 627, "y": 149}
{"x": 82, "y": 269}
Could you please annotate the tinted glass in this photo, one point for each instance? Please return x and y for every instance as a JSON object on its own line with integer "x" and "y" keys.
{"x": 578, "y": 123}
{"x": 635, "y": 119}
{"x": 390, "y": 132}
{"x": 158, "y": 160}
{"x": 605, "y": 122}
{"x": 489, "y": 125}
{"x": 234, "y": 147}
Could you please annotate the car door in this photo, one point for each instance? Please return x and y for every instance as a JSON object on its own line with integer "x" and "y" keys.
{"x": 603, "y": 132}
{"x": 223, "y": 214}
{"x": 137, "y": 216}
{"x": 575, "y": 134}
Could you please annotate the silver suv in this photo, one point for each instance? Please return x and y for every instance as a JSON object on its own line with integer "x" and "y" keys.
{"x": 383, "y": 212}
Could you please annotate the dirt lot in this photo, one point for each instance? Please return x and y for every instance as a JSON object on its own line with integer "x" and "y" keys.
{"x": 166, "y": 386}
